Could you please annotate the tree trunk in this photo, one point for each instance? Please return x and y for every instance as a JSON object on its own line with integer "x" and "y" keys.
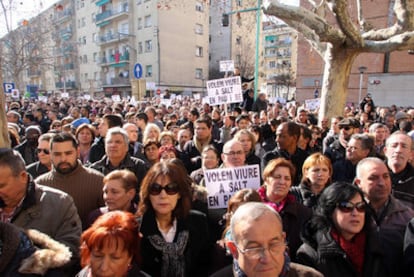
{"x": 338, "y": 64}
{"x": 4, "y": 137}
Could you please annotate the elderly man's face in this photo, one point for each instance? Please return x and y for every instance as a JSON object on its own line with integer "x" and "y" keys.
{"x": 398, "y": 151}
{"x": 12, "y": 188}
{"x": 116, "y": 147}
{"x": 233, "y": 154}
{"x": 249, "y": 235}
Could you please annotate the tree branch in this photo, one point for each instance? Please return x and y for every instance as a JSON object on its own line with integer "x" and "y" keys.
{"x": 326, "y": 32}
{"x": 404, "y": 41}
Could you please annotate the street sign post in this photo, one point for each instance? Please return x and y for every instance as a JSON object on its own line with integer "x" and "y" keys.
{"x": 138, "y": 71}
{"x": 8, "y": 87}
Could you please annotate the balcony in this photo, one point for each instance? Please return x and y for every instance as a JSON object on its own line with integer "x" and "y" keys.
{"x": 68, "y": 85}
{"x": 63, "y": 16}
{"x": 105, "y": 17}
{"x": 109, "y": 38}
{"x": 118, "y": 81}
{"x": 69, "y": 66}
{"x": 66, "y": 33}
{"x": 112, "y": 61}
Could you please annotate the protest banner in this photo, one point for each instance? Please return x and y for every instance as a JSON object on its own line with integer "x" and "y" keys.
{"x": 226, "y": 66}
{"x": 224, "y": 91}
{"x": 312, "y": 104}
{"x": 222, "y": 183}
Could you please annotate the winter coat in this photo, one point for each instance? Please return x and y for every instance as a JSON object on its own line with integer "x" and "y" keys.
{"x": 304, "y": 195}
{"x": 196, "y": 252}
{"x": 133, "y": 272}
{"x": 53, "y": 213}
{"x": 30, "y": 253}
{"x": 97, "y": 150}
{"x": 403, "y": 185}
{"x": 390, "y": 226}
{"x": 36, "y": 169}
{"x": 324, "y": 254}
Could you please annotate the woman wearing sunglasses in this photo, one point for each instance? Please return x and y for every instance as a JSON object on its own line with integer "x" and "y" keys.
{"x": 175, "y": 238}
{"x": 338, "y": 240}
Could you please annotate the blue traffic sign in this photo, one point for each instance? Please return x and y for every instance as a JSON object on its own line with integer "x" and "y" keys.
{"x": 8, "y": 87}
{"x": 138, "y": 70}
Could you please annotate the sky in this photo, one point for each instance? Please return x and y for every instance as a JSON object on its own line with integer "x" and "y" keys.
{"x": 24, "y": 9}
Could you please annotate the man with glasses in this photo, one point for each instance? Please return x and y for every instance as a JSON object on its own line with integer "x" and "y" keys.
{"x": 359, "y": 147}
{"x": 43, "y": 154}
{"x": 389, "y": 215}
{"x": 258, "y": 245}
{"x": 336, "y": 150}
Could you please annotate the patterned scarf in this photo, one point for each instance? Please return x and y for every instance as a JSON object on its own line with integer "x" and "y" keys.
{"x": 173, "y": 260}
{"x": 278, "y": 207}
{"x": 286, "y": 267}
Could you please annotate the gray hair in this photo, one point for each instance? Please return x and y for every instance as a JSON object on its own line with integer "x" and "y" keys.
{"x": 248, "y": 212}
{"x": 376, "y": 126}
{"x": 367, "y": 142}
{"x": 12, "y": 159}
{"x": 396, "y": 133}
{"x": 117, "y": 131}
{"x": 361, "y": 164}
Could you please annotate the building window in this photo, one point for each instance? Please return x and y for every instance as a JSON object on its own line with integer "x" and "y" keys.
{"x": 148, "y": 46}
{"x": 139, "y": 2}
{"x": 80, "y": 59}
{"x": 148, "y": 71}
{"x": 239, "y": 3}
{"x": 199, "y": 73}
{"x": 199, "y": 29}
{"x": 139, "y": 47}
{"x": 83, "y": 21}
{"x": 199, "y": 7}
{"x": 139, "y": 23}
{"x": 95, "y": 56}
{"x": 84, "y": 40}
{"x": 147, "y": 21}
{"x": 199, "y": 51}
{"x": 82, "y": 4}
{"x": 85, "y": 59}
{"x": 93, "y": 17}
{"x": 95, "y": 76}
{"x": 272, "y": 64}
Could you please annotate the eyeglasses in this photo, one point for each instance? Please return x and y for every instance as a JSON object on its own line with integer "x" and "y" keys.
{"x": 258, "y": 252}
{"x": 56, "y": 126}
{"x": 347, "y": 128}
{"x": 347, "y": 207}
{"x": 234, "y": 153}
{"x": 170, "y": 189}
{"x": 39, "y": 150}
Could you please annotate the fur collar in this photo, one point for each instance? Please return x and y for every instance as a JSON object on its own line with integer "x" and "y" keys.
{"x": 50, "y": 254}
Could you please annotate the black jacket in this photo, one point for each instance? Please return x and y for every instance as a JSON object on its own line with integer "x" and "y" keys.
{"x": 403, "y": 185}
{"x": 298, "y": 158}
{"x": 324, "y": 254}
{"x": 197, "y": 249}
{"x": 135, "y": 165}
{"x": 97, "y": 150}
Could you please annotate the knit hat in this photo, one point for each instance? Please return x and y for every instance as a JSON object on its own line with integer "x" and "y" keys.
{"x": 9, "y": 243}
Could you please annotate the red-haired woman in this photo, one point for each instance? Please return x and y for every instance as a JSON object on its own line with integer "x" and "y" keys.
{"x": 111, "y": 247}
{"x": 175, "y": 239}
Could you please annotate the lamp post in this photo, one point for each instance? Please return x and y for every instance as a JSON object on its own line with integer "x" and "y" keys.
{"x": 361, "y": 69}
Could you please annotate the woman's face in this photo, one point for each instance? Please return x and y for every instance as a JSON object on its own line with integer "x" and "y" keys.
{"x": 167, "y": 155}
{"x": 116, "y": 197}
{"x": 318, "y": 176}
{"x": 151, "y": 152}
{"x": 111, "y": 260}
{"x": 166, "y": 140}
{"x": 85, "y": 136}
{"x": 153, "y": 134}
{"x": 246, "y": 143}
{"x": 278, "y": 184}
{"x": 163, "y": 203}
{"x": 349, "y": 223}
{"x": 209, "y": 159}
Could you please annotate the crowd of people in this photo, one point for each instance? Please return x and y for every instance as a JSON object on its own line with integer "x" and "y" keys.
{"x": 103, "y": 188}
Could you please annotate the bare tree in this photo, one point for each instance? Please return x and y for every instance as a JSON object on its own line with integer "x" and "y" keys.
{"x": 339, "y": 44}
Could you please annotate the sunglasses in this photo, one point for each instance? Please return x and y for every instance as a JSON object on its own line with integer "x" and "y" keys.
{"x": 39, "y": 150}
{"x": 170, "y": 189}
{"x": 346, "y": 128}
{"x": 347, "y": 207}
